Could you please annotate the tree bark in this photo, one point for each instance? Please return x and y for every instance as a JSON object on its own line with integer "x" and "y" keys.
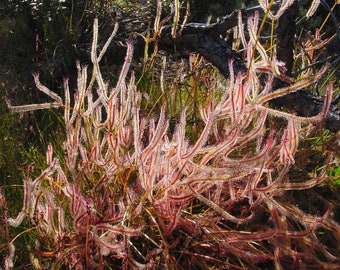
{"x": 206, "y": 39}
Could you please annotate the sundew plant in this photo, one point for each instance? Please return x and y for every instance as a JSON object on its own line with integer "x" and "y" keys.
{"x": 128, "y": 193}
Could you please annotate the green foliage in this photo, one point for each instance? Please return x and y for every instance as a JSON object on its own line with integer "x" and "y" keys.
{"x": 335, "y": 175}
{"x": 216, "y": 9}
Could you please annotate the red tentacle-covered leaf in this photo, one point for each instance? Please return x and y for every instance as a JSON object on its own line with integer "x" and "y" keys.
{"x": 209, "y": 116}
{"x": 289, "y": 143}
{"x": 117, "y": 229}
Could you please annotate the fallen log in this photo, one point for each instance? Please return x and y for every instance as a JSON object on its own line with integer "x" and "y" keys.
{"x": 207, "y": 40}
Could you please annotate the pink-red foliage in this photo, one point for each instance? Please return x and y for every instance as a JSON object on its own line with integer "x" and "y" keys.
{"x": 130, "y": 193}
